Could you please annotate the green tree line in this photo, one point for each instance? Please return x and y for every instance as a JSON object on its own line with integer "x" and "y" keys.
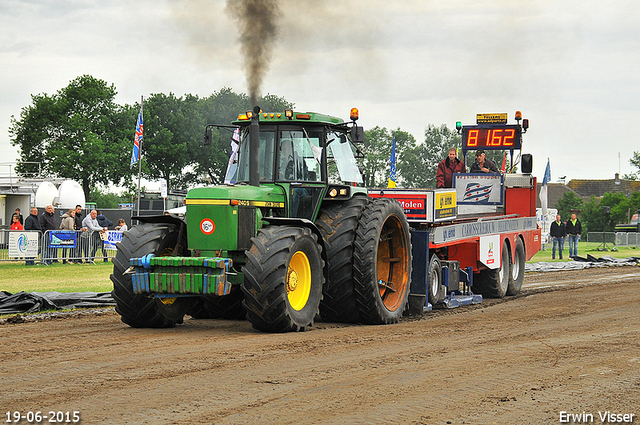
{"x": 592, "y": 214}
{"x": 81, "y": 133}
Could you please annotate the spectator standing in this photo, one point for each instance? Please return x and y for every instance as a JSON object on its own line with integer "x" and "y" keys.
{"x": 105, "y": 223}
{"x": 20, "y": 218}
{"x": 447, "y": 167}
{"x": 15, "y": 224}
{"x": 557, "y": 232}
{"x": 90, "y": 222}
{"x": 31, "y": 223}
{"x": 574, "y": 229}
{"x": 482, "y": 164}
{"x": 122, "y": 226}
{"x": 68, "y": 223}
{"x": 82, "y": 244}
{"x": 47, "y": 223}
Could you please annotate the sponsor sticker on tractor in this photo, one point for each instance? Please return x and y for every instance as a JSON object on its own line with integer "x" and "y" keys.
{"x": 207, "y": 226}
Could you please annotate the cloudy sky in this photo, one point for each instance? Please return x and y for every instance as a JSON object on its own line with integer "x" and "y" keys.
{"x": 570, "y": 66}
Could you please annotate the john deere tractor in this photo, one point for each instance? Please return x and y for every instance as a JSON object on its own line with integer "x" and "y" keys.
{"x": 296, "y": 236}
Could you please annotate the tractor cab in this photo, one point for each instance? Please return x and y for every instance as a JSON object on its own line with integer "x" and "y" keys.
{"x": 305, "y": 155}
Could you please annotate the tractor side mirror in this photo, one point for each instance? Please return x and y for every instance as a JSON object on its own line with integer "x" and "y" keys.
{"x": 208, "y": 135}
{"x": 357, "y": 134}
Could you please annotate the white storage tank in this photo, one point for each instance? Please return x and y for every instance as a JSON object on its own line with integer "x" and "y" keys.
{"x": 70, "y": 194}
{"x": 46, "y": 194}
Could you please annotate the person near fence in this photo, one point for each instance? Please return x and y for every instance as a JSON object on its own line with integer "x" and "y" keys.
{"x": 20, "y": 218}
{"x": 90, "y": 222}
{"x": 82, "y": 245}
{"x": 48, "y": 223}
{"x": 68, "y": 223}
{"x": 105, "y": 223}
{"x": 557, "y": 233}
{"x": 15, "y": 224}
{"x": 122, "y": 226}
{"x": 573, "y": 228}
{"x": 31, "y": 223}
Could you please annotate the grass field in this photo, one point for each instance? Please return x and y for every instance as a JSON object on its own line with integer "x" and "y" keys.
{"x": 16, "y": 277}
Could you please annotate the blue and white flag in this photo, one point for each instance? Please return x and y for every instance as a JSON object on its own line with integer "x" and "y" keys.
{"x": 543, "y": 189}
{"x": 392, "y": 174}
{"x": 137, "y": 141}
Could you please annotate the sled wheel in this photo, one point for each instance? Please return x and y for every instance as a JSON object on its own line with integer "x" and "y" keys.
{"x": 437, "y": 290}
{"x": 337, "y": 224}
{"x": 224, "y": 307}
{"x": 136, "y": 310}
{"x": 517, "y": 269}
{"x": 382, "y": 262}
{"x": 493, "y": 283}
{"x": 283, "y": 279}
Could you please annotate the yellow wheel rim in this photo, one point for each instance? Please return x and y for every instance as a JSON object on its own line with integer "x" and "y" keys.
{"x": 298, "y": 281}
{"x": 167, "y": 301}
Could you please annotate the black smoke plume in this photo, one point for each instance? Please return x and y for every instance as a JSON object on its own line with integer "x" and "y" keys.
{"x": 258, "y": 26}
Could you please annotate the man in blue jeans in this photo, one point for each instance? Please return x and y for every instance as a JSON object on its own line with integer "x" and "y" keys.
{"x": 573, "y": 228}
{"x": 557, "y": 233}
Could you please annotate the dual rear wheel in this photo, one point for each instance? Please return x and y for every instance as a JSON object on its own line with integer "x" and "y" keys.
{"x": 508, "y": 278}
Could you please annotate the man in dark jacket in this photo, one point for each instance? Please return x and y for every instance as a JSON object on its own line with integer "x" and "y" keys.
{"x": 32, "y": 223}
{"x": 574, "y": 229}
{"x": 47, "y": 222}
{"x": 446, "y": 168}
{"x": 558, "y": 233}
{"x": 482, "y": 164}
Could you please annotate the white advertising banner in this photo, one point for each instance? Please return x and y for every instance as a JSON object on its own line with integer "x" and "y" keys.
{"x": 479, "y": 189}
{"x": 111, "y": 238}
{"x": 23, "y": 244}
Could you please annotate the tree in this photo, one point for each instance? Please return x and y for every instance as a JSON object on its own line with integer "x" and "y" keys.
{"x": 635, "y": 161}
{"x": 73, "y": 134}
{"x": 377, "y": 147}
{"x": 173, "y": 131}
{"x": 107, "y": 200}
{"x": 569, "y": 202}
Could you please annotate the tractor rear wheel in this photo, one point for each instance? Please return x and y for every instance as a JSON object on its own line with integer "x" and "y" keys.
{"x": 136, "y": 310}
{"x": 337, "y": 224}
{"x": 283, "y": 279}
{"x": 517, "y": 269}
{"x": 493, "y": 283}
{"x": 382, "y": 262}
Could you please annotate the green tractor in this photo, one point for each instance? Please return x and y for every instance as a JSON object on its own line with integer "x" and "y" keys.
{"x": 295, "y": 237}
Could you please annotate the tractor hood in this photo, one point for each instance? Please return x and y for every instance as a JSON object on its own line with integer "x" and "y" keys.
{"x": 258, "y": 196}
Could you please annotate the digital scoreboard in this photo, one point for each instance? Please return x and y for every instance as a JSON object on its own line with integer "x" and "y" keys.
{"x": 505, "y": 137}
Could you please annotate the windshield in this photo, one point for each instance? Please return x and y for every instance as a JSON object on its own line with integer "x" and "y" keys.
{"x": 267, "y": 139}
{"x": 300, "y": 155}
{"x": 341, "y": 158}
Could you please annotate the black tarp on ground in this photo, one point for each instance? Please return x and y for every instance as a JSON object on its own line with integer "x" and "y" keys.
{"x": 581, "y": 263}
{"x": 33, "y": 302}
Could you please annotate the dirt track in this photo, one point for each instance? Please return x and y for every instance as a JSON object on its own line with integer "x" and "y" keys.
{"x": 570, "y": 342}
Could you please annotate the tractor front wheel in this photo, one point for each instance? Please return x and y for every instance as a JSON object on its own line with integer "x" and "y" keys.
{"x": 136, "y": 310}
{"x": 283, "y": 279}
